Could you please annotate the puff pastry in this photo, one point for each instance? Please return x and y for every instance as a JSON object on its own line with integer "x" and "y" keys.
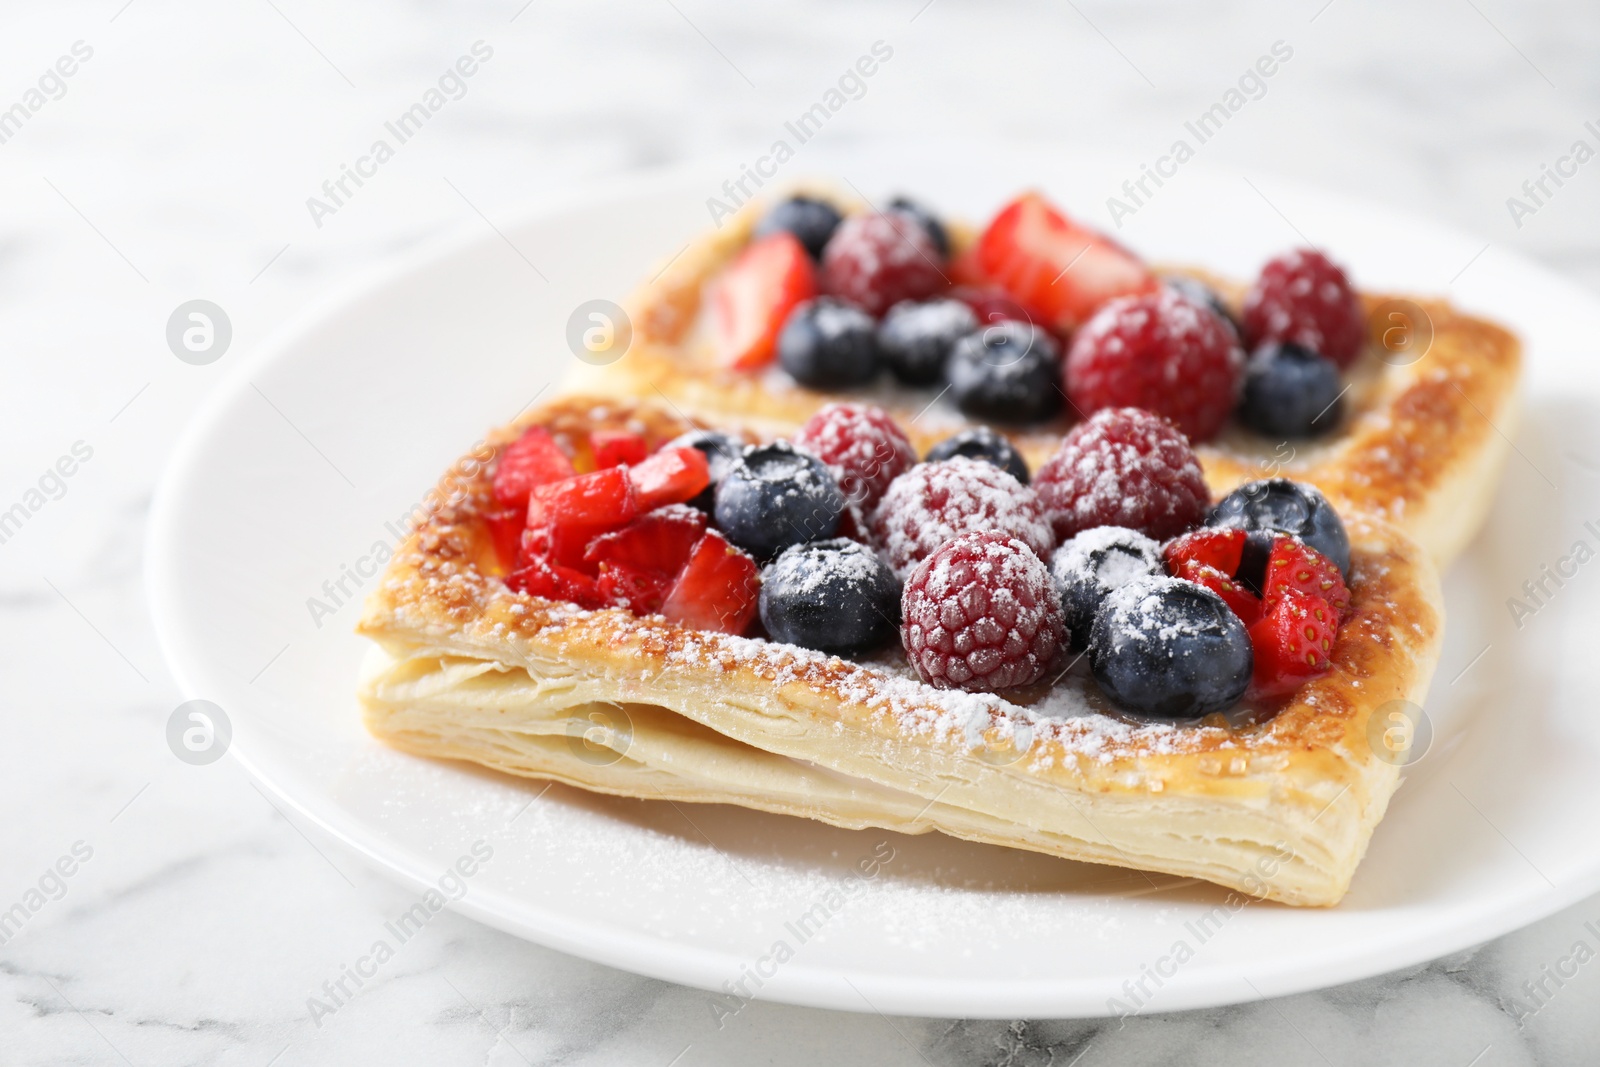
{"x": 1282, "y": 809}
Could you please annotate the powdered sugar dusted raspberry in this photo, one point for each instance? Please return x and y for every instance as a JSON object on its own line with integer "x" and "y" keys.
{"x": 1302, "y": 296}
{"x": 863, "y": 447}
{"x": 876, "y": 261}
{"x": 934, "y": 502}
{"x": 981, "y": 614}
{"x": 1123, "y": 467}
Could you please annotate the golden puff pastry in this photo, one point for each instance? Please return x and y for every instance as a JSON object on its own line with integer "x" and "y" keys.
{"x": 1282, "y": 809}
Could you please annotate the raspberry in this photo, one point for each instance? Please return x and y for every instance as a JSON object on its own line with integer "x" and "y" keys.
{"x": 1293, "y": 641}
{"x": 1123, "y": 467}
{"x": 1161, "y": 352}
{"x": 981, "y": 614}
{"x": 876, "y": 261}
{"x": 861, "y": 445}
{"x": 1295, "y": 565}
{"x": 1301, "y": 296}
{"x": 933, "y": 502}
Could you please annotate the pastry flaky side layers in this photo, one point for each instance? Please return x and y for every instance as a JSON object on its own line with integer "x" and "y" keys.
{"x": 1429, "y": 413}
{"x": 607, "y": 701}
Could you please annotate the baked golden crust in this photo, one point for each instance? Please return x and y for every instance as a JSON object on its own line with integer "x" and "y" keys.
{"x": 1280, "y": 808}
{"x": 1425, "y": 432}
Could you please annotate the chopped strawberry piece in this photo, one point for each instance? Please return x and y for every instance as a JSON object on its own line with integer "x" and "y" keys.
{"x": 1244, "y": 603}
{"x": 640, "y": 591}
{"x": 600, "y": 500}
{"x": 718, "y": 589}
{"x": 537, "y": 576}
{"x": 1294, "y": 565}
{"x": 1047, "y": 261}
{"x": 1213, "y": 546}
{"x": 671, "y": 476}
{"x": 1293, "y": 641}
{"x": 532, "y": 460}
{"x": 658, "y": 541}
{"x": 753, "y": 297}
{"x": 557, "y": 544}
{"x": 505, "y": 531}
{"x": 614, "y": 448}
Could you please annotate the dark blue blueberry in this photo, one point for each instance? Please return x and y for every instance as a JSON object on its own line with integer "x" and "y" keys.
{"x": 926, "y": 219}
{"x": 1282, "y": 506}
{"x": 721, "y": 451}
{"x": 1200, "y": 293}
{"x": 915, "y": 339}
{"x": 1093, "y": 565}
{"x": 1006, "y": 372}
{"x": 829, "y": 344}
{"x": 980, "y": 442}
{"x": 1290, "y": 391}
{"x": 776, "y": 496}
{"x": 1165, "y": 648}
{"x": 834, "y": 596}
{"x": 811, "y": 220}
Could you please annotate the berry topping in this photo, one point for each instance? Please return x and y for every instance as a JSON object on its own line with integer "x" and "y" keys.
{"x": 836, "y": 596}
{"x": 828, "y": 344}
{"x": 1169, "y": 649}
{"x": 992, "y": 304}
{"x": 1303, "y": 297}
{"x": 1007, "y": 372}
{"x": 933, "y": 502}
{"x": 1281, "y": 506}
{"x": 751, "y": 299}
{"x": 1294, "y": 566}
{"x": 671, "y": 476}
{"x": 641, "y": 592}
{"x": 1094, "y": 564}
{"x": 538, "y": 576}
{"x": 875, "y": 261}
{"x": 616, "y": 448}
{"x": 595, "y": 502}
{"x": 776, "y": 496}
{"x": 717, "y": 589}
{"x": 915, "y": 339}
{"x": 981, "y": 614}
{"x": 720, "y": 450}
{"x": 531, "y": 460}
{"x": 927, "y": 220}
{"x": 861, "y": 445}
{"x": 658, "y": 541}
{"x": 1198, "y": 292}
{"x": 1160, "y": 352}
{"x": 1293, "y": 642}
{"x": 980, "y": 442}
{"x": 1208, "y": 546}
{"x": 1049, "y": 262}
{"x": 812, "y": 222}
{"x": 1290, "y": 391}
{"x": 1233, "y": 592}
{"x": 1123, "y": 467}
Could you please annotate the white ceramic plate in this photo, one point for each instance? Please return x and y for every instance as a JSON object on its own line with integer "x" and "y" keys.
{"x": 298, "y": 467}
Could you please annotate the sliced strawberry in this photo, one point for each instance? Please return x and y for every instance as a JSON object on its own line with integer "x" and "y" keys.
{"x": 532, "y": 460}
{"x": 658, "y": 541}
{"x": 537, "y": 576}
{"x": 613, "y": 448}
{"x": 1047, "y": 261}
{"x": 1212, "y": 546}
{"x": 1293, "y": 641}
{"x": 598, "y": 501}
{"x": 505, "y": 531}
{"x": 717, "y": 590}
{"x": 1244, "y": 603}
{"x": 1295, "y": 565}
{"x": 671, "y": 476}
{"x": 754, "y": 295}
{"x": 558, "y": 544}
{"x": 640, "y": 591}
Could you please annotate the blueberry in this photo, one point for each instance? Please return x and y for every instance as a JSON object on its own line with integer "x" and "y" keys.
{"x": 1006, "y": 372}
{"x": 834, "y": 596}
{"x": 1200, "y": 293}
{"x": 1169, "y": 649}
{"x": 1282, "y": 506}
{"x": 926, "y": 219}
{"x": 1290, "y": 391}
{"x": 811, "y": 220}
{"x": 1094, "y": 564}
{"x": 721, "y": 451}
{"x": 980, "y": 442}
{"x": 829, "y": 344}
{"x": 915, "y": 339}
{"x": 775, "y": 496}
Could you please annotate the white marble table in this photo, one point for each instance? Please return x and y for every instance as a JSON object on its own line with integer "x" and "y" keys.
{"x": 176, "y": 161}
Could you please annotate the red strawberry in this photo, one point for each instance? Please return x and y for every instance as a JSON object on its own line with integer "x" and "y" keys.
{"x": 1293, "y": 641}
{"x": 671, "y": 476}
{"x": 1212, "y": 546}
{"x": 613, "y": 448}
{"x": 537, "y": 576}
{"x": 505, "y": 531}
{"x": 1295, "y": 565}
{"x": 1244, "y": 603}
{"x": 717, "y": 590}
{"x": 640, "y": 591}
{"x": 658, "y": 541}
{"x": 531, "y": 460}
{"x": 1047, "y": 261}
{"x": 601, "y": 500}
{"x": 754, "y": 295}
